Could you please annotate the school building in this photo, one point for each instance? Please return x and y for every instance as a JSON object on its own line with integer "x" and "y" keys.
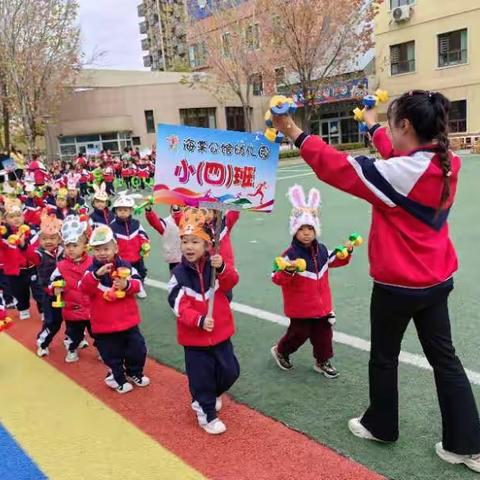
{"x": 431, "y": 45}
{"x": 114, "y": 109}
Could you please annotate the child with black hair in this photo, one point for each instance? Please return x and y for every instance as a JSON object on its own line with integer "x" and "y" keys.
{"x": 412, "y": 259}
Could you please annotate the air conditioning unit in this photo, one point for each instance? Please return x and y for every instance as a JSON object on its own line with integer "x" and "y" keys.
{"x": 401, "y": 14}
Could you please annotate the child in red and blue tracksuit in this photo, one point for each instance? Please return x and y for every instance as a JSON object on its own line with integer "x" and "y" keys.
{"x": 115, "y": 321}
{"x": 307, "y": 298}
{"x": 45, "y": 258}
{"x": 412, "y": 259}
{"x": 109, "y": 178}
{"x": 19, "y": 271}
{"x": 210, "y": 362}
{"x": 131, "y": 238}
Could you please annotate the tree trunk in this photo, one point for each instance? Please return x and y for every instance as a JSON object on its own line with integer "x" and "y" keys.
{"x": 5, "y": 114}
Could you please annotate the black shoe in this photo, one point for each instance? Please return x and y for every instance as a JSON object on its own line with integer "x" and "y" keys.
{"x": 283, "y": 361}
{"x": 326, "y": 368}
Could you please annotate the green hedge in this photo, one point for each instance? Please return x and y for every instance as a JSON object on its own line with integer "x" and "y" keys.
{"x": 341, "y": 146}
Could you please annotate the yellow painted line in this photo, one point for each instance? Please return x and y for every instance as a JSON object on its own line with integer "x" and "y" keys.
{"x": 70, "y": 434}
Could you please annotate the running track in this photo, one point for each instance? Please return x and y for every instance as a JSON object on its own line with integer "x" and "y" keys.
{"x": 59, "y": 421}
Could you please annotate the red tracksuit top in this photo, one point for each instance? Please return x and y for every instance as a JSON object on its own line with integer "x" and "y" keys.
{"x": 307, "y": 294}
{"x": 106, "y": 316}
{"x": 15, "y": 258}
{"x": 130, "y": 237}
{"x": 77, "y": 303}
{"x": 409, "y": 243}
{"x": 189, "y": 294}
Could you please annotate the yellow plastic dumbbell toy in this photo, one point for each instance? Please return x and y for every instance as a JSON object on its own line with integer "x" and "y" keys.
{"x": 58, "y": 302}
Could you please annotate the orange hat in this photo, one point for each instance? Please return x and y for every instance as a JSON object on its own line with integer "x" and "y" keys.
{"x": 50, "y": 224}
{"x": 193, "y": 222}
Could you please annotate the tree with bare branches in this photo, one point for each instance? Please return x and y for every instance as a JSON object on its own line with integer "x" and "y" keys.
{"x": 228, "y": 43}
{"x": 39, "y": 56}
{"x": 316, "y": 40}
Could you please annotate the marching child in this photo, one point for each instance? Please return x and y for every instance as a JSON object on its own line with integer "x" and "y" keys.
{"x": 33, "y": 205}
{"x": 61, "y": 209}
{"x": 19, "y": 270}
{"x": 111, "y": 284}
{"x": 306, "y": 291}
{"x": 127, "y": 173}
{"x": 168, "y": 229}
{"x": 210, "y": 362}
{"x": 70, "y": 270}
{"x": 45, "y": 258}
{"x": 101, "y": 215}
{"x": 109, "y": 178}
{"x": 132, "y": 240}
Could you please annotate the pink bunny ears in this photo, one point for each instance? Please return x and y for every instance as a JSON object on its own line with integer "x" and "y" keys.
{"x": 296, "y": 196}
{"x": 303, "y": 212}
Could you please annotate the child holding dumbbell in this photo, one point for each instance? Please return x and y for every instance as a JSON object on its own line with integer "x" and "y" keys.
{"x": 64, "y": 280}
{"x": 45, "y": 258}
{"x": 16, "y": 236}
{"x": 114, "y": 313}
{"x": 302, "y": 272}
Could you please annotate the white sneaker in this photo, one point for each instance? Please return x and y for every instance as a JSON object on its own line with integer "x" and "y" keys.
{"x": 141, "y": 382}
{"x": 110, "y": 381}
{"x": 72, "y": 357}
{"x": 218, "y": 404}
{"x": 125, "y": 388}
{"x": 24, "y": 314}
{"x": 470, "y": 461}
{"x": 360, "y": 431}
{"x": 142, "y": 294}
{"x": 215, "y": 427}
{"x": 83, "y": 344}
{"x": 42, "y": 352}
{"x": 201, "y": 415}
{"x": 66, "y": 343}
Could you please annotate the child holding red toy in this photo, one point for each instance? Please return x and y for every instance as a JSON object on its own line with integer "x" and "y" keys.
{"x": 302, "y": 273}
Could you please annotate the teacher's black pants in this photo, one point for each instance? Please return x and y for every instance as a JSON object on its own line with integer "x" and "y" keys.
{"x": 391, "y": 310}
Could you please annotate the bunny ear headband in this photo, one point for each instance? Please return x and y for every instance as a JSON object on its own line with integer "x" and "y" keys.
{"x": 100, "y": 193}
{"x": 303, "y": 212}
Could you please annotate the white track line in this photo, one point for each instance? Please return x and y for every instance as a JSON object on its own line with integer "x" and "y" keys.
{"x": 359, "y": 343}
{"x": 295, "y": 176}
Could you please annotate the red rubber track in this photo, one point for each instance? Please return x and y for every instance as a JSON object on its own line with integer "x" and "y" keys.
{"x": 254, "y": 446}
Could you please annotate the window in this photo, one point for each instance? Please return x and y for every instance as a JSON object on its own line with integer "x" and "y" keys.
{"x": 109, "y": 136}
{"x": 252, "y": 36}
{"x": 136, "y": 141}
{"x": 452, "y": 48}
{"x": 402, "y": 58}
{"x": 198, "y": 117}
{"x": 458, "y": 116}
{"x": 197, "y": 55}
{"x": 113, "y": 146}
{"x": 87, "y": 138}
{"x": 400, "y": 3}
{"x": 257, "y": 84}
{"x": 235, "y": 118}
{"x": 150, "y": 121}
{"x": 226, "y": 44}
{"x": 280, "y": 80}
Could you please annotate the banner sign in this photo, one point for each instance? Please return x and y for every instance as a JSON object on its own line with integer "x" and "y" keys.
{"x": 200, "y": 165}
{"x": 92, "y": 152}
{"x": 337, "y": 91}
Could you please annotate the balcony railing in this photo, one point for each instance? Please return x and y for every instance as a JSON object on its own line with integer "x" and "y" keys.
{"x": 141, "y": 10}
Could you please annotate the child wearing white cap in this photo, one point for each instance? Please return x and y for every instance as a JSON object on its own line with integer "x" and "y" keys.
{"x": 112, "y": 284}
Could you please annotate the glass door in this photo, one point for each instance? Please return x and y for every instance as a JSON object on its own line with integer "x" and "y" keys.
{"x": 331, "y": 131}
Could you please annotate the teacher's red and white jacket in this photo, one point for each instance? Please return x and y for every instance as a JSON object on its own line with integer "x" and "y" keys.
{"x": 409, "y": 243}
{"x": 307, "y": 294}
